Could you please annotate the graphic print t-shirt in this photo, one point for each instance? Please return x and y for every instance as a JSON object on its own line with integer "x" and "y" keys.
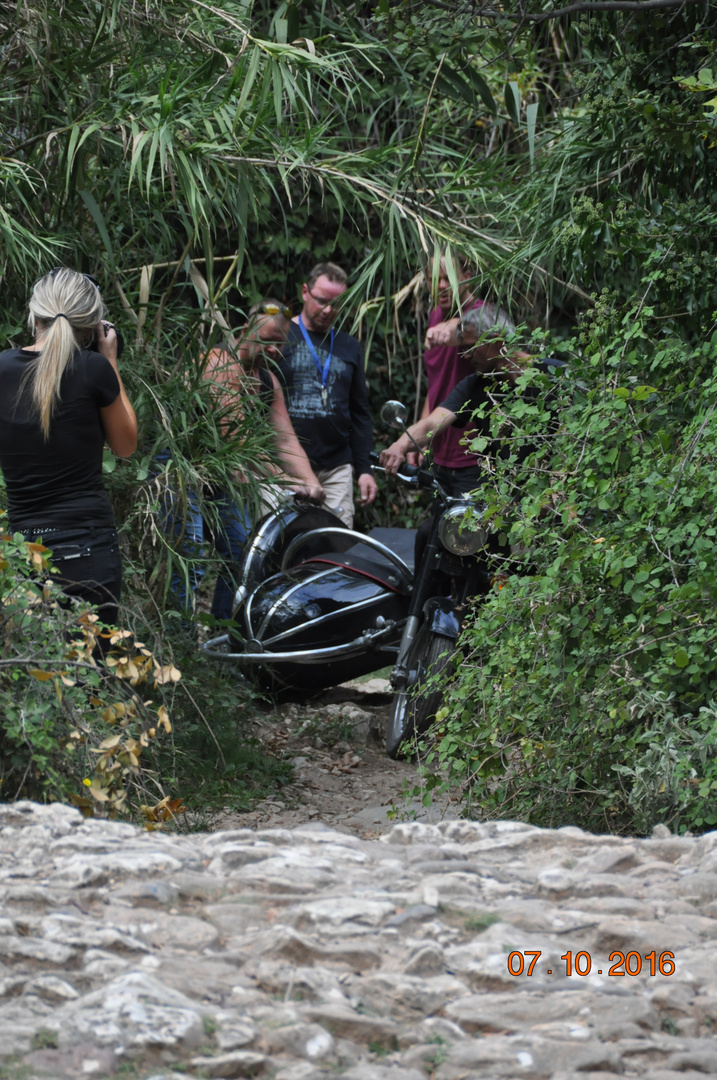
{"x": 58, "y": 482}
{"x": 338, "y": 432}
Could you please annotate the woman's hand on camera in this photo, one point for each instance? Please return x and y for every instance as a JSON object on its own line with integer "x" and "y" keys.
{"x": 107, "y": 341}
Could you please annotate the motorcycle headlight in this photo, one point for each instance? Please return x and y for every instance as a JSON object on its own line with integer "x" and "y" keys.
{"x": 461, "y": 535}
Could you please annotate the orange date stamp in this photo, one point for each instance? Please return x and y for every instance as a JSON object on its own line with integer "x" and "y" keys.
{"x": 580, "y": 963}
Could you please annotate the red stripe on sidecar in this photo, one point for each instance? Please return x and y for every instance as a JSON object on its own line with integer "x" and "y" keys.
{"x": 354, "y": 569}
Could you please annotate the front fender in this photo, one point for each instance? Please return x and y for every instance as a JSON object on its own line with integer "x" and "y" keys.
{"x": 440, "y": 617}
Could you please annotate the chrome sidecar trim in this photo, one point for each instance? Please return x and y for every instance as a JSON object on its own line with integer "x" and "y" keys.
{"x": 280, "y": 600}
{"x": 304, "y": 656}
{"x": 360, "y": 538}
{"x": 340, "y": 613}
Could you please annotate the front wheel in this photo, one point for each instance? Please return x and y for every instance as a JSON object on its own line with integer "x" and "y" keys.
{"x": 415, "y": 707}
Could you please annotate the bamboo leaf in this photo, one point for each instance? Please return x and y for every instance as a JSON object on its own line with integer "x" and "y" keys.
{"x": 91, "y": 204}
{"x": 531, "y": 115}
{"x": 513, "y": 101}
{"x": 248, "y": 83}
{"x": 145, "y": 281}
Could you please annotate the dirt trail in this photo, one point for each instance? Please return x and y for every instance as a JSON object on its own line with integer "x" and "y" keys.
{"x": 342, "y": 776}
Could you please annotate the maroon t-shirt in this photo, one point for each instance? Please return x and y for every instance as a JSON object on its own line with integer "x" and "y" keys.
{"x": 56, "y": 482}
{"x": 445, "y": 368}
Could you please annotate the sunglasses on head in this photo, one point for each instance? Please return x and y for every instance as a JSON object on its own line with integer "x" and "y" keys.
{"x": 275, "y": 309}
{"x": 95, "y": 282}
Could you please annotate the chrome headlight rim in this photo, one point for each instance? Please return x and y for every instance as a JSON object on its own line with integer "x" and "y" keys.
{"x": 458, "y": 538}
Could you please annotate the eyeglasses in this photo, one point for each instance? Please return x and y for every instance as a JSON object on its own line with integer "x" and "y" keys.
{"x": 56, "y": 270}
{"x": 321, "y": 300}
{"x": 276, "y": 309}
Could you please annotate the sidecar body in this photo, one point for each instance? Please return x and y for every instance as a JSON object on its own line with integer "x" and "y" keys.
{"x": 318, "y": 603}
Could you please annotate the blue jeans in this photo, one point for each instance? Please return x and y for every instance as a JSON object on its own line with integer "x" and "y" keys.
{"x": 227, "y": 528}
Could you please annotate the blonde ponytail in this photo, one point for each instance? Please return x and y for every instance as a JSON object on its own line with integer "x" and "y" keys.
{"x": 65, "y": 307}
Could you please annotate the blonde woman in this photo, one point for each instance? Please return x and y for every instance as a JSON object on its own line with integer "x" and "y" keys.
{"x": 61, "y": 399}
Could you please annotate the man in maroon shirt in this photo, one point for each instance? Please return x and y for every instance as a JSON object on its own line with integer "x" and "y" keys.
{"x": 451, "y": 354}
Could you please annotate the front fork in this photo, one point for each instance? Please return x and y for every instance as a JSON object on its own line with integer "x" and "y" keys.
{"x": 444, "y": 613}
{"x": 421, "y": 593}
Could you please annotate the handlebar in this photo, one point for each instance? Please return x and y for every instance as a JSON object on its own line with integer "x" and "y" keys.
{"x": 413, "y": 475}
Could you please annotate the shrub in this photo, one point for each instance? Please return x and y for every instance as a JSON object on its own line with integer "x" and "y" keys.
{"x": 70, "y": 727}
{"x": 587, "y": 696}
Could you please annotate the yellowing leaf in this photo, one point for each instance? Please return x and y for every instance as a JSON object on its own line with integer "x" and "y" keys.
{"x": 166, "y": 673}
{"x": 39, "y": 674}
{"x": 110, "y": 743}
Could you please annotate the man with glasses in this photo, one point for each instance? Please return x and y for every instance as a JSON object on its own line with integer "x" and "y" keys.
{"x": 328, "y": 403}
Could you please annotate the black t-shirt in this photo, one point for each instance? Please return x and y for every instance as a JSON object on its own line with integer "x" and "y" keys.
{"x": 468, "y": 395}
{"x": 475, "y": 390}
{"x": 338, "y": 432}
{"x": 56, "y": 482}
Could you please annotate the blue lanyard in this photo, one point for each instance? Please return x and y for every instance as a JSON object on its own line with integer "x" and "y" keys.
{"x": 323, "y": 375}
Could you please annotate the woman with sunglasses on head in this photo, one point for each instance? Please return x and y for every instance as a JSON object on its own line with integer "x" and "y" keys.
{"x": 61, "y": 399}
{"x": 242, "y": 379}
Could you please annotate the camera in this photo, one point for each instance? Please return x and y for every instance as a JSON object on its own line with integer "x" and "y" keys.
{"x": 93, "y": 342}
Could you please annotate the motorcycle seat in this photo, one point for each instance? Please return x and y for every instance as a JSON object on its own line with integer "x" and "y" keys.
{"x": 400, "y": 541}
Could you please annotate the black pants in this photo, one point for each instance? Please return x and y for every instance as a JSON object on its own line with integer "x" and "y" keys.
{"x": 89, "y": 564}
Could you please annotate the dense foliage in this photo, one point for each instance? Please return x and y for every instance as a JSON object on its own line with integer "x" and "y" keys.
{"x": 590, "y": 693}
{"x": 196, "y": 156}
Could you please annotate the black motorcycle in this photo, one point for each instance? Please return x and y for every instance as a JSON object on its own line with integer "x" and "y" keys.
{"x": 450, "y": 574}
{"x": 319, "y": 603}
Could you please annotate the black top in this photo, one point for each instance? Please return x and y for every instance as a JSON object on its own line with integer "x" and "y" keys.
{"x": 338, "y": 433}
{"x": 469, "y": 394}
{"x": 58, "y": 482}
{"x": 475, "y": 390}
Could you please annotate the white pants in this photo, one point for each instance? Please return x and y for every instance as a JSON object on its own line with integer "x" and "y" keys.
{"x": 339, "y": 487}
{"x": 337, "y": 483}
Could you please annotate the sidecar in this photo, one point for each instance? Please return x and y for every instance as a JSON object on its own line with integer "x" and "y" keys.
{"x": 318, "y": 603}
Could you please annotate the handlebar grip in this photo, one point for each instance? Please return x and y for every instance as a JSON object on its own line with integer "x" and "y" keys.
{"x": 414, "y": 474}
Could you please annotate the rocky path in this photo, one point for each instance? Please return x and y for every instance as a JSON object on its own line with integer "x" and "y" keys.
{"x": 342, "y": 777}
{"x": 311, "y": 953}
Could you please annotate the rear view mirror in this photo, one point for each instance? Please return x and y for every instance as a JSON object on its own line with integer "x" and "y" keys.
{"x": 394, "y": 414}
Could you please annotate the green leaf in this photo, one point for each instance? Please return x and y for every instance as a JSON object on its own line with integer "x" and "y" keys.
{"x": 89, "y": 201}
{"x": 513, "y": 101}
{"x": 681, "y": 658}
{"x": 481, "y": 87}
{"x": 531, "y": 115}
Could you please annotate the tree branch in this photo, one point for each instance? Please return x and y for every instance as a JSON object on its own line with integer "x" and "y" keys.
{"x": 582, "y": 7}
{"x": 609, "y": 5}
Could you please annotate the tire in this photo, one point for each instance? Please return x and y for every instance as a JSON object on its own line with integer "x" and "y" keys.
{"x": 413, "y": 709}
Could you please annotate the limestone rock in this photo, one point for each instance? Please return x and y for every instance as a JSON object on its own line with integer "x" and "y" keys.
{"x": 308, "y": 953}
